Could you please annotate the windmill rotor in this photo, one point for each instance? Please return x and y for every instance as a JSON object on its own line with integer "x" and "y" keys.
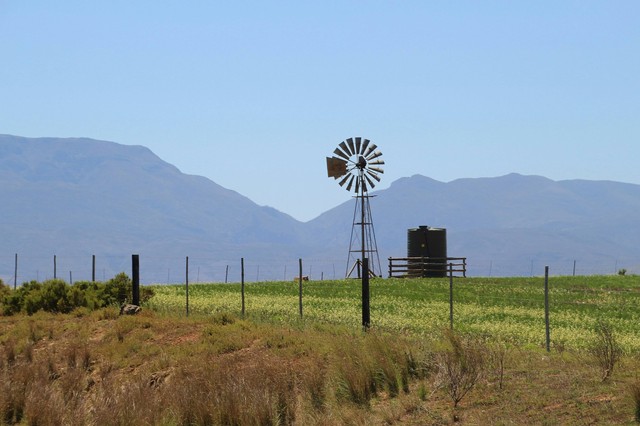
{"x": 356, "y": 160}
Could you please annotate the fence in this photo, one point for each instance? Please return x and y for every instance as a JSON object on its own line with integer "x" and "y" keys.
{"x": 414, "y": 267}
{"x": 18, "y": 268}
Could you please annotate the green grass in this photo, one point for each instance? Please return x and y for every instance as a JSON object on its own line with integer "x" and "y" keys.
{"x": 511, "y": 309}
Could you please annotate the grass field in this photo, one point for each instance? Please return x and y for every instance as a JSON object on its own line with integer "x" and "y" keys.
{"x": 508, "y": 308}
{"x": 96, "y": 367}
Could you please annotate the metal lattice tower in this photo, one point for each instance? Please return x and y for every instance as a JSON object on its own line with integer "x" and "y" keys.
{"x": 357, "y": 161}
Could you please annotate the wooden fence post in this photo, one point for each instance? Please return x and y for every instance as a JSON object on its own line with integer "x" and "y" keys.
{"x": 55, "y": 267}
{"x": 93, "y": 268}
{"x": 366, "y": 307}
{"x": 135, "y": 274}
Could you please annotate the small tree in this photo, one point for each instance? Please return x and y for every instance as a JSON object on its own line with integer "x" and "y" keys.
{"x": 606, "y": 349}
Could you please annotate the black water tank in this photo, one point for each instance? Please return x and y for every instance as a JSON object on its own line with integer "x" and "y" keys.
{"x": 431, "y": 244}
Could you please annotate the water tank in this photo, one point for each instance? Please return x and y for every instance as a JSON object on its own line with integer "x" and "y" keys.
{"x": 430, "y": 244}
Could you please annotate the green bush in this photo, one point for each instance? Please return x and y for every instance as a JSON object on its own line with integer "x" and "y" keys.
{"x": 59, "y": 297}
{"x": 117, "y": 291}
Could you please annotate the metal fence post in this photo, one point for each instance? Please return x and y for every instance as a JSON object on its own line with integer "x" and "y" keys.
{"x": 242, "y": 282}
{"x": 546, "y": 307}
{"x": 300, "y": 286}
{"x": 451, "y": 295}
{"x": 15, "y": 273}
{"x": 186, "y": 281}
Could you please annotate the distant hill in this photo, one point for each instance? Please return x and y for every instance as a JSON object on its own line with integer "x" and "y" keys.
{"x": 74, "y": 198}
{"x": 78, "y": 197}
{"x": 513, "y": 224}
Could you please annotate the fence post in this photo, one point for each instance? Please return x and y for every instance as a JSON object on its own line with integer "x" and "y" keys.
{"x": 186, "y": 281}
{"x": 15, "y": 273}
{"x": 135, "y": 273}
{"x": 300, "y": 287}
{"x": 451, "y": 295}
{"x": 464, "y": 267}
{"x": 574, "y": 268}
{"x": 70, "y": 278}
{"x": 226, "y": 274}
{"x": 241, "y": 282}
{"x": 366, "y": 311}
{"x": 546, "y": 307}
{"x": 93, "y": 268}
{"x": 55, "y": 267}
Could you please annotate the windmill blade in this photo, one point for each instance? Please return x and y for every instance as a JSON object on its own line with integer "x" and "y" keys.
{"x": 373, "y": 175}
{"x": 365, "y": 143}
{"x": 376, "y": 169}
{"x": 352, "y": 146}
{"x": 345, "y": 148}
{"x": 380, "y": 162}
{"x": 351, "y": 183}
{"x": 369, "y": 150}
{"x": 344, "y": 180}
{"x": 339, "y": 153}
{"x": 374, "y": 155}
{"x": 358, "y": 144}
{"x": 371, "y": 184}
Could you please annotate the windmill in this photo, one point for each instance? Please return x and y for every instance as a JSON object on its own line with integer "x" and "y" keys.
{"x": 356, "y": 164}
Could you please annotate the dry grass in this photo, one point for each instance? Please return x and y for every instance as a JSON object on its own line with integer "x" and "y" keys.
{"x": 101, "y": 369}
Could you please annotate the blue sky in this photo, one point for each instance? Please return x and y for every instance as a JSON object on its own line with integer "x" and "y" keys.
{"x": 255, "y": 94}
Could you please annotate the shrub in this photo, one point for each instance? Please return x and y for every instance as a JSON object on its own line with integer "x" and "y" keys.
{"x": 117, "y": 291}
{"x": 461, "y": 365}
{"x": 605, "y": 349}
{"x": 635, "y": 393}
{"x": 5, "y": 290}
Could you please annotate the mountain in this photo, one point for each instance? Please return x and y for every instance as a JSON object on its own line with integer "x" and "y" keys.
{"x": 511, "y": 225}
{"x": 74, "y": 198}
{"x": 78, "y": 197}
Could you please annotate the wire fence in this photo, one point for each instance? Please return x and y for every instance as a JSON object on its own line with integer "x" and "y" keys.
{"x": 16, "y": 269}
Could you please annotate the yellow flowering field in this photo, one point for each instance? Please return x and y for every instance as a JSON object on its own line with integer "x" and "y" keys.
{"x": 507, "y": 308}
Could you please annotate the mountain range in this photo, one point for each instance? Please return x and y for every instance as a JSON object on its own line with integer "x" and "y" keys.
{"x": 75, "y": 198}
